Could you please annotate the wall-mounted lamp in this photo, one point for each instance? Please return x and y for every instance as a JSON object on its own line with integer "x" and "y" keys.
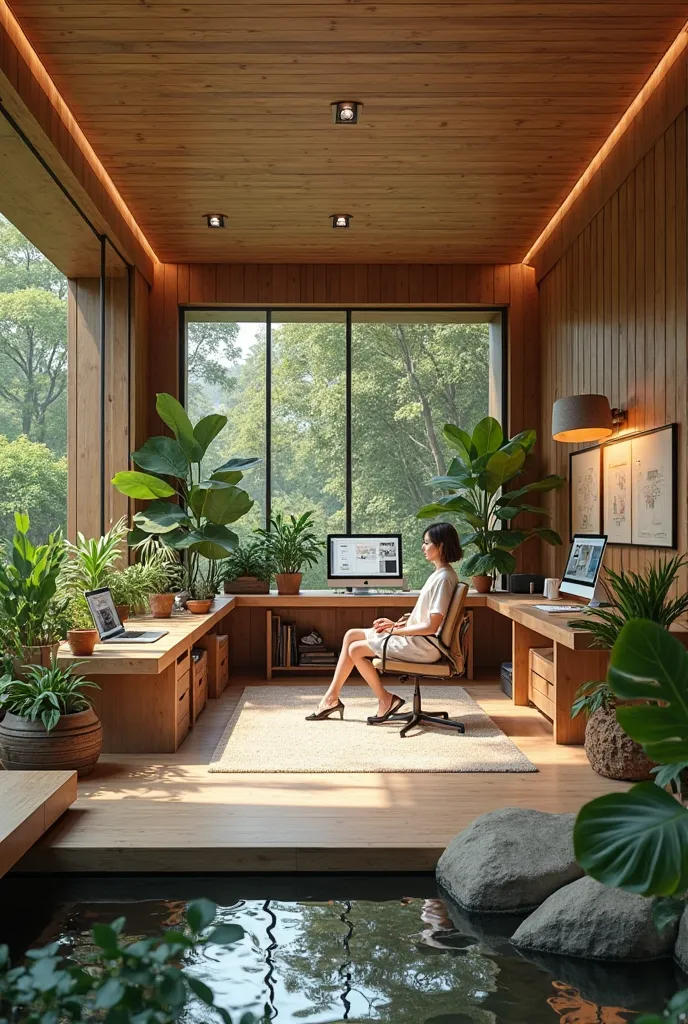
{"x": 584, "y": 418}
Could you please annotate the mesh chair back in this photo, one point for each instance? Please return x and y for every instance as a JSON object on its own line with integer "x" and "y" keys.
{"x": 450, "y": 634}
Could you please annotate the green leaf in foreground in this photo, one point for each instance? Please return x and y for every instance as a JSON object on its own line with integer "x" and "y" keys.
{"x": 141, "y": 485}
{"x": 635, "y": 841}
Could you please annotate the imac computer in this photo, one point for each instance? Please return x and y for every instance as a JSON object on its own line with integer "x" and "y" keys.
{"x": 581, "y": 575}
{"x": 362, "y": 560}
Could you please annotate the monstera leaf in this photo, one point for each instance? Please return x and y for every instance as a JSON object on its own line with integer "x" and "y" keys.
{"x": 637, "y": 841}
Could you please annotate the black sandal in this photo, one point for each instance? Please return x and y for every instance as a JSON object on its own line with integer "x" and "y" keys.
{"x": 397, "y": 702}
{"x": 319, "y": 716}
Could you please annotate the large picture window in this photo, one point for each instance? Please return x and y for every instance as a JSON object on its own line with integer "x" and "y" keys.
{"x": 346, "y": 408}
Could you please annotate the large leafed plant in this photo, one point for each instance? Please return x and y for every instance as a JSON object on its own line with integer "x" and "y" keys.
{"x": 486, "y": 462}
{"x": 190, "y": 509}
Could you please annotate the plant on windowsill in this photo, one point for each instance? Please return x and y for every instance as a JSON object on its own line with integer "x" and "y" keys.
{"x": 247, "y": 570}
{"x": 485, "y": 463}
{"x": 166, "y": 574}
{"x": 631, "y": 595}
{"x": 190, "y": 511}
{"x": 124, "y": 979}
{"x": 82, "y": 636}
{"x": 203, "y": 588}
{"x": 31, "y": 614}
{"x": 92, "y": 563}
{"x": 49, "y": 721}
{"x": 291, "y": 546}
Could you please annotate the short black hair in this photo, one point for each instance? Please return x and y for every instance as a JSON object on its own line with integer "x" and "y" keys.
{"x": 444, "y": 535}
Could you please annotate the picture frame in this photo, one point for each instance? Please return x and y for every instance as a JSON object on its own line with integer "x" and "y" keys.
{"x": 617, "y": 491}
{"x": 585, "y": 492}
{"x": 654, "y": 493}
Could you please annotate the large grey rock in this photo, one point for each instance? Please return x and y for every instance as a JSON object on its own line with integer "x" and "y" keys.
{"x": 586, "y": 919}
{"x": 681, "y": 948}
{"x": 509, "y": 860}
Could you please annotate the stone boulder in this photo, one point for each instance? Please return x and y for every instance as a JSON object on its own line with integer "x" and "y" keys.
{"x": 681, "y": 949}
{"x": 611, "y": 752}
{"x": 509, "y": 860}
{"x": 586, "y": 919}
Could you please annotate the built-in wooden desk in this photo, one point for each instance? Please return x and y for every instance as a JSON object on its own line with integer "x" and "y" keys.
{"x": 145, "y": 696}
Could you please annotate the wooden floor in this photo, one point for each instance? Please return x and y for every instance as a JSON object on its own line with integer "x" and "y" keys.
{"x": 167, "y": 813}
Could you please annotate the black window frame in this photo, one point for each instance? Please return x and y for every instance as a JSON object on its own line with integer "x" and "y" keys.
{"x": 271, "y": 311}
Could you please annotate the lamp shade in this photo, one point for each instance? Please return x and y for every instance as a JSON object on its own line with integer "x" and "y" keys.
{"x": 581, "y": 418}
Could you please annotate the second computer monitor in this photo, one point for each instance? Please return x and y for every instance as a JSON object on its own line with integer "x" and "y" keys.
{"x": 364, "y": 560}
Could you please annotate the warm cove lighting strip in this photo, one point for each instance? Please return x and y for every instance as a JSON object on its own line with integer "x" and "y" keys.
{"x": 35, "y": 65}
{"x": 675, "y": 50}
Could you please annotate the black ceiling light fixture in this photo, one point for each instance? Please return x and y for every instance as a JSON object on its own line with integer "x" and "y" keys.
{"x": 215, "y": 220}
{"x": 346, "y": 111}
{"x": 341, "y": 220}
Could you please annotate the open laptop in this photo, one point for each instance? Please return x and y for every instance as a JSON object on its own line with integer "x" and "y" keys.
{"x": 108, "y": 621}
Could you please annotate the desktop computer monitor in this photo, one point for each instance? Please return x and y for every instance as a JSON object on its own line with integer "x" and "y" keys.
{"x": 581, "y": 575}
{"x": 364, "y": 560}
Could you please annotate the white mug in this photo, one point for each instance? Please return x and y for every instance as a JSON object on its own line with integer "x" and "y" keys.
{"x": 551, "y": 591}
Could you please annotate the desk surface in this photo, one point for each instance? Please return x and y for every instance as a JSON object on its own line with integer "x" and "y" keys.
{"x": 183, "y": 629}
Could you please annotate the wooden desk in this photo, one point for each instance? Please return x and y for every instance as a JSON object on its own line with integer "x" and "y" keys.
{"x": 145, "y": 701}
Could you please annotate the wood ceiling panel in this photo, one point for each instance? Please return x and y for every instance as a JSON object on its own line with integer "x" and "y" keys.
{"x": 478, "y": 116}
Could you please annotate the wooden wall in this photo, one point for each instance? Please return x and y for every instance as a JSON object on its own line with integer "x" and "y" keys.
{"x": 613, "y": 308}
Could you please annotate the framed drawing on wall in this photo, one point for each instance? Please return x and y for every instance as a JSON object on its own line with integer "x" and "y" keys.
{"x": 617, "y": 462}
{"x": 585, "y": 498}
{"x": 654, "y": 519}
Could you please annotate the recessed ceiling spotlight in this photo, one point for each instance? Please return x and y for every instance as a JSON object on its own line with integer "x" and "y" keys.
{"x": 345, "y": 112}
{"x": 215, "y": 220}
{"x": 341, "y": 220}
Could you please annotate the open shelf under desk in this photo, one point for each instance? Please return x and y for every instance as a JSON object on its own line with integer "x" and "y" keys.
{"x": 324, "y": 670}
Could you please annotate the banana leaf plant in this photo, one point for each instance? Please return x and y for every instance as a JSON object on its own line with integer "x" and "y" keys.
{"x": 189, "y": 510}
{"x": 638, "y": 840}
{"x": 485, "y": 462}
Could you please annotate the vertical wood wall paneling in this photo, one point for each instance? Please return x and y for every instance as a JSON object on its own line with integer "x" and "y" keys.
{"x": 116, "y": 421}
{"x": 621, "y": 330}
{"x": 176, "y": 285}
{"x": 83, "y": 403}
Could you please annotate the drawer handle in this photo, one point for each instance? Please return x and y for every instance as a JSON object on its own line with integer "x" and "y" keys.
{"x": 185, "y": 694}
{"x": 182, "y": 657}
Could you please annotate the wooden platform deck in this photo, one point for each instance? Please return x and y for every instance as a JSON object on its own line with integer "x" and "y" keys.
{"x": 168, "y": 814}
{"x": 30, "y": 802}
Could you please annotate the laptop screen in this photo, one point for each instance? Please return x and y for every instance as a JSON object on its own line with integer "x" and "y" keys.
{"x": 104, "y": 612}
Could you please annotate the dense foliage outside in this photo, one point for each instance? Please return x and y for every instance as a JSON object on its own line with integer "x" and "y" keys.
{"x": 33, "y": 387}
{"x": 408, "y": 380}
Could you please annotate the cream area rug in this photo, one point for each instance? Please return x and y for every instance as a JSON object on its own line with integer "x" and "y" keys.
{"x": 268, "y": 733}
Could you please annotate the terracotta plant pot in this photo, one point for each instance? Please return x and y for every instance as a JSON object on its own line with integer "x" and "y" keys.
{"x": 82, "y": 641}
{"x": 161, "y": 605}
{"x": 247, "y": 585}
{"x": 74, "y": 743}
{"x": 123, "y": 611}
{"x": 611, "y": 752}
{"x": 483, "y": 584}
{"x": 34, "y": 656}
{"x": 288, "y": 582}
{"x": 199, "y": 607}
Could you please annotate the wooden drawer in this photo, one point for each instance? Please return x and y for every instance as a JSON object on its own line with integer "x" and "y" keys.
{"x": 541, "y": 693}
{"x": 182, "y": 729}
{"x": 541, "y": 660}
{"x": 183, "y": 664}
{"x": 216, "y": 646}
{"x": 181, "y": 685}
{"x": 200, "y": 666}
{"x": 183, "y": 704}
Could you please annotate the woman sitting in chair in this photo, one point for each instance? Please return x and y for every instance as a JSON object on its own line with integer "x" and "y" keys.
{"x": 408, "y": 635}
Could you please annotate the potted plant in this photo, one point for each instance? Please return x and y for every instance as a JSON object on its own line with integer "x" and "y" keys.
{"x": 247, "y": 570}
{"x": 165, "y": 574}
{"x": 202, "y": 589}
{"x": 476, "y": 478}
{"x": 189, "y": 510}
{"x": 82, "y": 636}
{"x": 92, "y": 563}
{"x": 49, "y": 721}
{"x": 291, "y": 546}
{"x": 119, "y": 979}
{"x": 29, "y": 610}
{"x": 611, "y": 752}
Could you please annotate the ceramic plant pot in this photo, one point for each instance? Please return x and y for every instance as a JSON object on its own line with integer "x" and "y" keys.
{"x": 199, "y": 607}
{"x": 82, "y": 641}
{"x": 123, "y": 611}
{"x": 288, "y": 582}
{"x": 161, "y": 605}
{"x": 247, "y": 585}
{"x": 611, "y": 752}
{"x": 73, "y": 745}
{"x": 483, "y": 584}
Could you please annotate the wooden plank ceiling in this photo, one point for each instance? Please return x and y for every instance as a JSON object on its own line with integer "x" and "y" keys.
{"x": 478, "y": 116}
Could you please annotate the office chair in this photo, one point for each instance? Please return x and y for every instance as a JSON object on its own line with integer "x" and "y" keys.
{"x": 450, "y": 642}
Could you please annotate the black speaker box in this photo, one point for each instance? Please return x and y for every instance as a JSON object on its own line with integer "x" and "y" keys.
{"x": 519, "y": 583}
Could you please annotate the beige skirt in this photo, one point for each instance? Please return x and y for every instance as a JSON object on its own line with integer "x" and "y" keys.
{"x": 402, "y": 648}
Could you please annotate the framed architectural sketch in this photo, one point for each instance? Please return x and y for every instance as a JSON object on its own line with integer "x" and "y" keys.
{"x": 654, "y": 520}
{"x": 585, "y": 498}
{"x": 616, "y": 490}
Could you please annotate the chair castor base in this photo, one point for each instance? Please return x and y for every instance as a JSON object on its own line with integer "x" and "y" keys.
{"x": 420, "y": 717}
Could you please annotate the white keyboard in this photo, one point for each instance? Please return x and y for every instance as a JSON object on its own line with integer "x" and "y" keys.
{"x": 569, "y": 609}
